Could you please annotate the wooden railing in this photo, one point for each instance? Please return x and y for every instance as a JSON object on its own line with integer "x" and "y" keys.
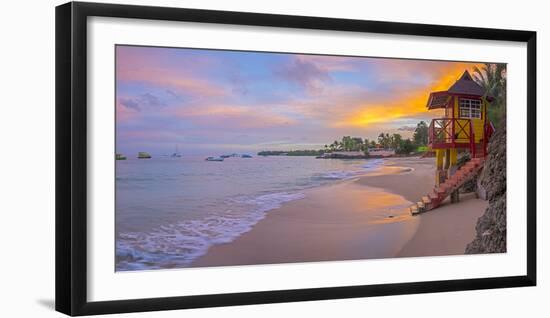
{"x": 451, "y": 133}
{"x": 458, "y": 133}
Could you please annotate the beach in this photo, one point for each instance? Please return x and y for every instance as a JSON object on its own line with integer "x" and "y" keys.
{"x": 447, "y": 230}
{"x": 365, "y": 217}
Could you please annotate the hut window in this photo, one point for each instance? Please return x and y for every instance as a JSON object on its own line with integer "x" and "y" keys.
{"x": 470, "y": 108}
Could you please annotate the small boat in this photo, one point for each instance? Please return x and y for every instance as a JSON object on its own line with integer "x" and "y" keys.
{"x": 176, "y": 154}
{"x": 214, "y": 159}
{"x": 225, "y": 156}
{"x": 143, "y": 155}
{"x": 120, "y": 156}
{"x": 246, "y": 156}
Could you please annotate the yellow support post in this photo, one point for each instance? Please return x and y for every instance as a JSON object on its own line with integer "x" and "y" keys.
{"x": 440, "y": 173}
{"x": 453, "y": 154}
{"x": 439, "y": 158}
{"x": 447, "y": 159}
{"x": 453, "y": 157}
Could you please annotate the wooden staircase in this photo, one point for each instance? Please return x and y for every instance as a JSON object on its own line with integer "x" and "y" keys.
{"x": 461, "y": 176}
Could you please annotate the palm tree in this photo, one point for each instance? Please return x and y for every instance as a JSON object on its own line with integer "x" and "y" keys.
{"x": 381, "y": 140}
{"x": 357, "y": 143}
{"x": 420, "y": 136}
{"x": 396, "y": 141}
{"x": 335, "y": 145}
{"x": 492, "y": 77}
{"x": 347, "y": 143}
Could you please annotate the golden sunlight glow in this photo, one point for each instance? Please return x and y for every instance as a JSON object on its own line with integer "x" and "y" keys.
{"x": 406, "y": 104}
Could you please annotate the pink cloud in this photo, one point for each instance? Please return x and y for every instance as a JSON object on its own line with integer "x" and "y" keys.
{"x": 148, "y": 135}
{"x": 124, "y": 113}
{"x": 233, "y": 117}
{"x": 329, "y": 63}
{"x": 304, "y": 73}
{"x": 150, "y": 65}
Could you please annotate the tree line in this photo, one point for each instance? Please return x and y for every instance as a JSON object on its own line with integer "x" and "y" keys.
{"x": 385, "y": 140}
{"x": 347, "y": 143}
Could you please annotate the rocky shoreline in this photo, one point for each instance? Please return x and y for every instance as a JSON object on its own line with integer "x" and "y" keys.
{"x": 491, "y": 226}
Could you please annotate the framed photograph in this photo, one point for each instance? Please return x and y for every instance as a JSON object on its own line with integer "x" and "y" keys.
{"x": 210, "y": 158}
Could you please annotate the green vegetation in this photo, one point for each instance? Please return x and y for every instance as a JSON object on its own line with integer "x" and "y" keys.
{"x": 400, "y": 145}
{"x": 492, "y": 77}
{"x": 347, "y": 143}
{"x": 420, "y": 136}
{"x": 385, "y": 140}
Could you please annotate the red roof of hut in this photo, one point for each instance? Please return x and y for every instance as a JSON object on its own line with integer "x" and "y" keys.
{"x": 465, "y": 85}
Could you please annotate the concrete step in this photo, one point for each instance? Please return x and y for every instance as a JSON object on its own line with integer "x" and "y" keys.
{"x": 439, "y": 193}
{"x": 433, "y": 196}
{"x": 466, "y": 170}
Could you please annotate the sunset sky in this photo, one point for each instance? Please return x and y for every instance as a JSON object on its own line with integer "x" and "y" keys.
{"x": 213, "y": 102}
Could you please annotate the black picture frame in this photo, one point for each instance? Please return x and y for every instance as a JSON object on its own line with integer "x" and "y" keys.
{"x": 71, "y": 157}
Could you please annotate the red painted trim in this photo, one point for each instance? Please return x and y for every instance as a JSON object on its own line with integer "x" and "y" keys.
{"x": 450, "y": 146}
{"x": 453, "y": 103}
{"x": 449, "y": 140}
{"x": 472, "y": 140}
{"x": 432, "y": 96}
{"x": 485, "y": 141}
{"x": 466, "y": 96}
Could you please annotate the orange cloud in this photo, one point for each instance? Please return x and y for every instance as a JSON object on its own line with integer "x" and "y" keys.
{"x": 406, "y": 103}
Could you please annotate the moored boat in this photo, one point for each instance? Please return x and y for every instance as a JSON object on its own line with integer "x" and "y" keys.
{"x": 214, "y": 159}
{"x": 176, "y": 153}
{"x": 143, "y": 155}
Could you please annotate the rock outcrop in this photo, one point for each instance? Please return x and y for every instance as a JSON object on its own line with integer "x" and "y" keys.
{"x": 491, "y": 226}
{"x": 469, "y": 186}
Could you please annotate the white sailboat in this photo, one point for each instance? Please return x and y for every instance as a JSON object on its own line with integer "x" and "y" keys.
{"x": 176, "y": 154}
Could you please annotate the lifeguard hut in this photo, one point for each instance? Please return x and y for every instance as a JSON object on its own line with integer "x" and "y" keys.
{"x": 464, "y": 127}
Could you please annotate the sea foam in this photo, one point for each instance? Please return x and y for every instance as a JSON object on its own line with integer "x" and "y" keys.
{"x": 179, "y": 244}
{"x": 370, "y": 166}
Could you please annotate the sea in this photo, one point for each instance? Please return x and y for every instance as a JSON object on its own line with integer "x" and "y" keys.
{"x": 170, "y": 210}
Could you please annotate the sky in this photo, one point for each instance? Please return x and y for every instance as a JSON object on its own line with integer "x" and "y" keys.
{"x": 214, "y": 101}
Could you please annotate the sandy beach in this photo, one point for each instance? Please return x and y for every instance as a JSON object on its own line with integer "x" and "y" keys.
{"x": 446, "y": 230}
{"x": 363, "y": 218}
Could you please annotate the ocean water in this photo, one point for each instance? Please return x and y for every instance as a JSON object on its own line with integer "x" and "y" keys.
{"x": 169, "y": 211}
